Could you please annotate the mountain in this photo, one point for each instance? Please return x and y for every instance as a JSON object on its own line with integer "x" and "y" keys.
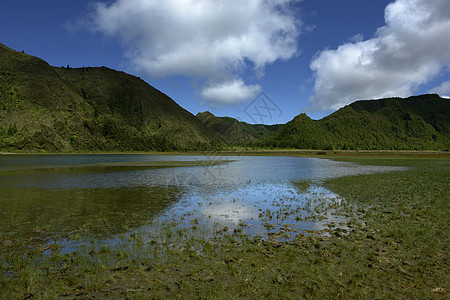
{"x": 415, "y": 123}
{"x": 234, "y": 131}
{"x": 63, "y": 109}
{"x": 70, "y": 109}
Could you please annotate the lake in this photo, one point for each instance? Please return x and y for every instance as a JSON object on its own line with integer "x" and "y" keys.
{"x": 256, "y": 195}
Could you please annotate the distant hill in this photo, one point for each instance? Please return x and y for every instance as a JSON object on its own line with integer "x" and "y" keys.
{"x": 415, "y": 123}
{"x": 63, "y": 109}
{"x": 234, "y": 131}
{"x": 66, "y": 109}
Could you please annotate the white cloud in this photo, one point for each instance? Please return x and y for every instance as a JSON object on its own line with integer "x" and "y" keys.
{"x": 443, "y": 89}
{"x": 411, "y": 49}
{"x": 231, "y": 92}
{"x": 208, "y": 39}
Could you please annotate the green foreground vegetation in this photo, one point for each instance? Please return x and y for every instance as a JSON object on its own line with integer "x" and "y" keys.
{"x": 397, "y": 247}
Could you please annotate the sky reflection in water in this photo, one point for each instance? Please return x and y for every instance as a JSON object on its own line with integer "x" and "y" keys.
{"x": 258, "y": 194}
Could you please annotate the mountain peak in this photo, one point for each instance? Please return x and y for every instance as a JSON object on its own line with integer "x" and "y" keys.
{"x": 44, "y": 108}
{"x": 205, "y": 114}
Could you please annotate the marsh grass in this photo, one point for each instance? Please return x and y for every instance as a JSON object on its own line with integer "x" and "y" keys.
{"x": 396, "y": 246}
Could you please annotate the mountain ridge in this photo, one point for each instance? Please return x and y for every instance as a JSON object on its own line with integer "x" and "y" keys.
{"x": 234, "y": 131}
{"x": 63, "y": 109}
{"x": 414, "y": 123}
{"x": 45, "y": 108}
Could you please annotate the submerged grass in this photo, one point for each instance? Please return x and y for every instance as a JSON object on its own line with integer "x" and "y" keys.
{"x": 400, "y": 250}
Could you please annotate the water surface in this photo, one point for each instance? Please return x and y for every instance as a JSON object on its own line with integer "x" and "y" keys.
{"x": 254, "y": 194}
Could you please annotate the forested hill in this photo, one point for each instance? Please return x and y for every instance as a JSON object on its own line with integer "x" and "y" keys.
{"x": 234, "y": 131}
{"x": 415, "y": 123}
{"x": 62, "y": 109}
{"x": 70, "y": 109}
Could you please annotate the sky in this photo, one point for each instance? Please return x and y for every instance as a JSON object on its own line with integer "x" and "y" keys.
{"x": 260, "y": 61}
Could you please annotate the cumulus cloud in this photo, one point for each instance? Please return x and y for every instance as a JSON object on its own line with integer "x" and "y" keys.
{"x": 411, "y": 49}
{"x": 208, "y": 39}
{"x": 231, "y": 92}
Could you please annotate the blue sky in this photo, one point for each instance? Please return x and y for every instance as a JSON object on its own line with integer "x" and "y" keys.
{"x": 311, "y": 56}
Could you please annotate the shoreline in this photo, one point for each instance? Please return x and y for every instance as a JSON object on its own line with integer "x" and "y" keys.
{"x": 284, "y": 152}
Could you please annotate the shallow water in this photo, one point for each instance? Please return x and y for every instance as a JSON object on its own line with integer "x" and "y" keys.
{"x": 256, "y": 195}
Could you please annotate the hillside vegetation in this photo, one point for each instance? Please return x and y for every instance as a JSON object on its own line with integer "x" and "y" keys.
{"x": 234, "y": 131}
{"x": 45, "y": 108}
{"x": 415, "y": 123}
{"x": 67, "y": 109}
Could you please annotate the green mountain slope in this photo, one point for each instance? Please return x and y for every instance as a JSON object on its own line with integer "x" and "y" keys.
{"x": 234, "y": 131}
{"x": 44, "y": 108}
{"x": 64, "y": 109}
{"x": 415, "y": 123}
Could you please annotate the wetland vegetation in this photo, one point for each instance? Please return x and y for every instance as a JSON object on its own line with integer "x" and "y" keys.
{"x": 381, "y": 235}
